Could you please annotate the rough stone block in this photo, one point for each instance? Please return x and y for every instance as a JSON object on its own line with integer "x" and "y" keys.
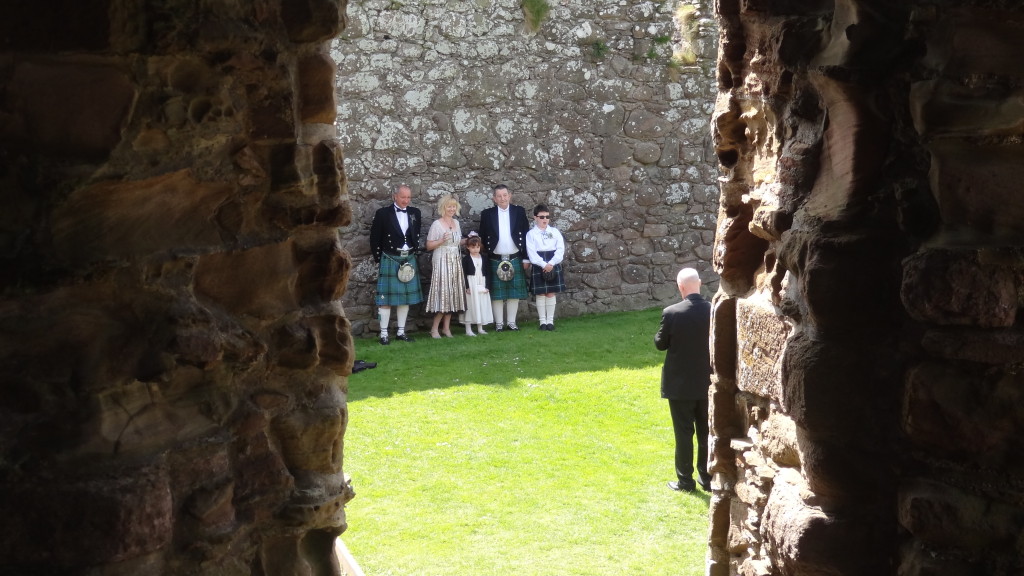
{"x": 647, "y": 152}
{"x": 313, "y": 20}
{"x": 960, "y": 287}
{"x": 817, "y": 379}
{"x": 718, "y": 516}
{"x": 947, "y": 517}
{"x": 961, "y": 169}
{"x": 606, "y": 279}
{"x": 966, "y": 416}
{"x": 723, "y": 343}
{"x": 778, "y": 440}
{"x": 616, "y": 152}
{"x": 310, "y": 438}
{"x": 837, "y": 301}
{"x": 87, "y": 521}
{"x": 316, "y": 89}
{"x": 738, "y": 253}
{"x": 853, "y": 148}
{"x": 944, "y": 107}
{"x": 760, "y": 347}
{"x": 841, "y": 474}
{"x": 806, "y": 540}
{"x": 644, "y": 125}
{"x": 258, "y": 282}
{"x": 124, "y": 220}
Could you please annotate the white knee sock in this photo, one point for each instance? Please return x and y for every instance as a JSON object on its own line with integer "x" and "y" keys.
{"x": 550, "y": 305}
{"x": 403, "y": 313}
{"x": 498, "y": 308}
{"x": 542, "y": 310}
{"x": 513, "y": 309}
{"x": 385, "y": 317}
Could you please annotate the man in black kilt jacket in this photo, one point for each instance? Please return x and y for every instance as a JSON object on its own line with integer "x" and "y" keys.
{"x": 503, "y": 228}
{"x": 394, "y": 241}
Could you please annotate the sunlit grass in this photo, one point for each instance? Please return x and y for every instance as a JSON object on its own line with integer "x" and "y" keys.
{"x": 531, "y": 453}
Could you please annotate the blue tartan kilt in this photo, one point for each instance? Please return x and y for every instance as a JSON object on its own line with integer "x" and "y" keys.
{"x": 514, "y": 289}
{"x": 539, "y": 285}
{"x": 390, "y": 290}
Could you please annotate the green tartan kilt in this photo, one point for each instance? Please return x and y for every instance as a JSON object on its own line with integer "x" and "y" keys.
{"x": 390, "y": 290}
{"x": 514, "y": 289}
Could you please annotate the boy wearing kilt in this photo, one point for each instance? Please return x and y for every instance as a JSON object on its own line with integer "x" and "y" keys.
{"x": 503, "y": 228}
{"x": 394, "y": 241}
{"x": 546, "y": 249}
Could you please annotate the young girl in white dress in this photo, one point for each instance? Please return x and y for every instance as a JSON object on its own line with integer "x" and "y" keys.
{"x": 478, "y": 299}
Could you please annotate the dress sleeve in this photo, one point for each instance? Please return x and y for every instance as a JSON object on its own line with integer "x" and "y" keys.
{"x": 436, "y": 231}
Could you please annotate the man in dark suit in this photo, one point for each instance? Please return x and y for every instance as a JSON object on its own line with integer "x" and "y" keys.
{"x": 503, "y": 228}
{"x": 394, "y": 241}
{"x": 686, "y": 376}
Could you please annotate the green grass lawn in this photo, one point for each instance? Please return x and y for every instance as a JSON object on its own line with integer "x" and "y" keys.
{"x": 530, "y": 453}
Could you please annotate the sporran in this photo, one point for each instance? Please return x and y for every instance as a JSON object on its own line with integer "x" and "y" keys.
{"x": 406, "y": 272}
{"x": 506, "y": 271}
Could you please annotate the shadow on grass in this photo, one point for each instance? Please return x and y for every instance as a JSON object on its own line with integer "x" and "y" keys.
{"x": 583, "y": 344}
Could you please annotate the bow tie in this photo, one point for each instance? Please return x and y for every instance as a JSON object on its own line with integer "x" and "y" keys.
{"x": 399, "y": 210}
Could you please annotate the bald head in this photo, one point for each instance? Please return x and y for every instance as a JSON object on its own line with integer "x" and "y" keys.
{"x": 688, "y": 282}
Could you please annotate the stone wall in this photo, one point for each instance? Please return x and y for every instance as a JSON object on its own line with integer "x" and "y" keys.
{"x": 172, "y": 348}
{"x": 588, "y": 114}
{"x": 868, "y": 330}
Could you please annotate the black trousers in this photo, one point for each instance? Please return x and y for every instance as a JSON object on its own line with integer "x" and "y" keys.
{"x": 689, "y": 418}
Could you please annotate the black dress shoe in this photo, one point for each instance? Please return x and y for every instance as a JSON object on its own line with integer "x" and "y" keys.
{"x": 706, "y": 486}
{"x": 680, "y": 488}
{"x": 360, "y": 365}
{"x": 551, "y": 327}
{"x": 384, "y": 341}
{"x": 404, "y": 338}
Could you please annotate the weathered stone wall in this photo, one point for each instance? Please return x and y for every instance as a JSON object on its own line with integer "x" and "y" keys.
{"x": 868, "y": 335}
{"x": 172, "y": 348}
{"x": 586, "y": 115}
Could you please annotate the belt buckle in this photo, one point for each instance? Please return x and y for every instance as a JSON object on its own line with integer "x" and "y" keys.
{"x": 403, "y": 253}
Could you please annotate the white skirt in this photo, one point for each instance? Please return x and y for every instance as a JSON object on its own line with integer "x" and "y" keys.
{"x": 478, "y": 303}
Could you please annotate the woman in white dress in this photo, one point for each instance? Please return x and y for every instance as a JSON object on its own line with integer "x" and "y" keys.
{"x": 478, "y": 287}
{"x": 446, "y": 294}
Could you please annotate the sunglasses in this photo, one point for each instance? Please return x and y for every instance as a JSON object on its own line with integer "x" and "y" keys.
{"x": 543, "y": 217}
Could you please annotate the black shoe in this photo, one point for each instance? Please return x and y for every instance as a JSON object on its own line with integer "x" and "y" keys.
{"x": 542, "y": 327}
{"x": 384, "y": 341}
{"x": 360, "y": 365}
{"x": 551, "y": 327}
{"x": 679, "y": 488}
{"x": 513, "y": 327}
{"x": 403, "y": 338}
{"x": 706, "y": 486}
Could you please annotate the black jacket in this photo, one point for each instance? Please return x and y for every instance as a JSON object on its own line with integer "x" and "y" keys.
{"x": 468, "y": 269}
{"x": 683, "y": 335}
{"x": 518, "y": 223}
{"x": 386, "y": 235}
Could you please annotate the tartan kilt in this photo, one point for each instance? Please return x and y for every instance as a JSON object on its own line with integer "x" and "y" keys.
{"x": 390, "y": 290}
{"x": 514, "y": 289}
{"x": 539, "y": 285}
